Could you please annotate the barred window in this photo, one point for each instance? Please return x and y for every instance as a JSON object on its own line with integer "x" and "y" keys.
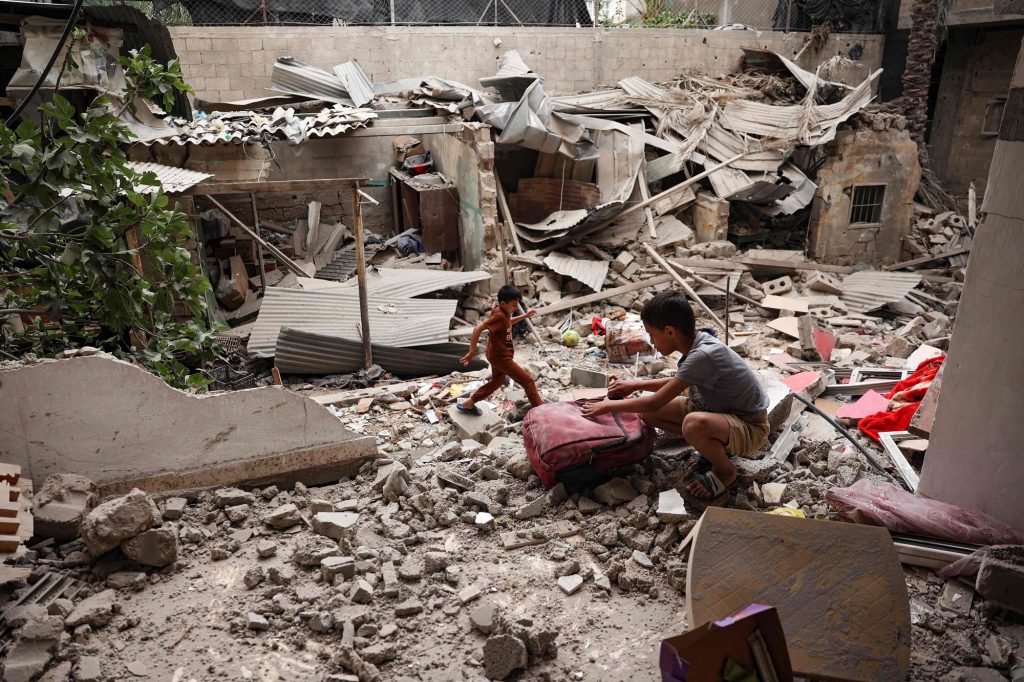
{"x": 866, "y": 207}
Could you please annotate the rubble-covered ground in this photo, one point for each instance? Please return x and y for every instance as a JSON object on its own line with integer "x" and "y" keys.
{"x": 444, "y": 558}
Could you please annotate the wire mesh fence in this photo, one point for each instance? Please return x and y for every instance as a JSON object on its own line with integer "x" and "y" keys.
{"x": 798, "y": 15}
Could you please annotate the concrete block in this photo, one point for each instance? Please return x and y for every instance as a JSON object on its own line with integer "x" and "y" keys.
{"x": 780, "y": 398}
{"x": 1001, "y": 577}
{"x": 61, "y": 505}
{"x": 590, "y": 378}
{"x": 622, "y": 261}
{"x": 824, "y": 282}
{"x": 779, "y": 286}
{"x": 117, "y": 520}
{"x": 471, "y": 427}
{"x": 178, "y": 440}
{"x": 335, "y": 525}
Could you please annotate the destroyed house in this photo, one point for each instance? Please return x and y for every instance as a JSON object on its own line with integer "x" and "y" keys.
{"x": 349, "y": 491}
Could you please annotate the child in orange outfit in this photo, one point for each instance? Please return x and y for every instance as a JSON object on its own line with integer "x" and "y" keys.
{"x": 500, "y": 351}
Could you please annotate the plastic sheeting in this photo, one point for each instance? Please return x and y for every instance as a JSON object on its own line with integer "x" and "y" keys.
{"x": 883, "y": 504}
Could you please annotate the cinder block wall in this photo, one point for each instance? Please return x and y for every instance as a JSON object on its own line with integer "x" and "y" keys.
{"x": 226, "y": 63}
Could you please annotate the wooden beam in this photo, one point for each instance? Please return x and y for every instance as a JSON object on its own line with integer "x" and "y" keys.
{"x": 567, "y": 303}
{"x": 643, "y": 204}
{"x": 278, "y": 254}
{"x": 707, "y": 282}
{"x": 645, "y": 194}
{"x": 682, "y": 282}
{"x": 216, "y": 188}
{"x": 790, "y": 265}
{"x": 393, "y": 130}
{"x": 927, "y": 259}
{"x": 507, "y": 214}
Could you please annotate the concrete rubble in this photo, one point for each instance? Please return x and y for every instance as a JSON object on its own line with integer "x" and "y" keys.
{"x": 443, "y": 557}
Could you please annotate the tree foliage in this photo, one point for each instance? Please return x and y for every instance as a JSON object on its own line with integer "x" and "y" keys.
{"x": 68, "y": 203}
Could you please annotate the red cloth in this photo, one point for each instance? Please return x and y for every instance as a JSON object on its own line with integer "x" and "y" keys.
{"x": 910, "y": 389}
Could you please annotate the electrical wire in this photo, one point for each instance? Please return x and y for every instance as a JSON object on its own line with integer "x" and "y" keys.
{"x": 49, "y": 65}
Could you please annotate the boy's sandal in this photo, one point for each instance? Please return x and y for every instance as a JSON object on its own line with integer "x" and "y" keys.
{"x": 712, "y": 484}
{"x": 697, "y": 463}
{"x": 475, "y": 411}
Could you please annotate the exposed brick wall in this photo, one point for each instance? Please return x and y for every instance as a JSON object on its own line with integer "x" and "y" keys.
{"x": 235, "y": 62}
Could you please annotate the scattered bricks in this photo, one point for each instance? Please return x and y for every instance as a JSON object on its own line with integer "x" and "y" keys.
{"x": 113, "y": 522}
{"x": 671, "y": 508}
{"x": 410, "y": 607}
{"x": 435, "y": 562}
{"x": 518, "y": 464}
{"x": 32, "y": 649}
{"x": 1001, "y": 577}
{"x": 232, "y": 497}
{"x": 570, "y": 584}
{"x": 622, "y": 261}
{"x": 333, "y": 566}
{"x": 174, "y": 507}
{"x": 471, "y": 448}
{"x": 532, "y": 509}
{"x": 317, "y": 505}
{"x": 755, "y": 470}
{"x": 96, "y": 611}
{"x": 777, "y": 287}
{"x": 321, "y": 621}
{"x": 255, "y": 621}
{"x": 410, "y": 572}
{"x": 157, "y": 547}
{"x": 62, "y": 504}
{"x": 479, "y": 499}
{"x": 237, "y": 514}
{"x": 468, "y": 594}
{"x": 825, "y": 283}
{"x": 615, "y": 491}
{"x": 266, "y": 548}
{"x": 520, "y": 277}
{"x": 504, "y": 654}
{"x": 361, "y": 592}
{"x": 449, "y": 452}
{"x": 590, "y": 378}
{"x": 285, "y": 516}
{"x": 482, "y": 618}
{"x": 334, "y": 525}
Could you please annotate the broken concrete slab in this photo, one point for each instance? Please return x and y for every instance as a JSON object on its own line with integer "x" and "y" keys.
{"x": 96, "y": 611}
{"x": 33, "y": 648}
{"x": 156, "y": 547}
{"x": 614, "y": 492}
{"x": 671, "y": 508}
{"x": 335, "y": 525}
{"x": 570, "y": 584}
{"x": 177, "y": 441}
{"x": 503, "y": 655}
{"x": 780, "y": 398}
{"x": 473, "y": 427}
{"x": 61, "y": 505}
{"x": 283, "y": 517}
{"x": 590, "y": 378}
{"x": 482, "y": 617}
{"x": 1001, "y": 577}
{"x": 842, "y": 578}
{"x": 957, "y": 597}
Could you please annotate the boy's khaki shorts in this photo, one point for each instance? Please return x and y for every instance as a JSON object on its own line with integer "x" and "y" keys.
{"x": 747, "y": 433}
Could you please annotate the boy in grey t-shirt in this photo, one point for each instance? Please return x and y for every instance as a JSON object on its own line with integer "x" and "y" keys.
{"x": 726, "y": 410}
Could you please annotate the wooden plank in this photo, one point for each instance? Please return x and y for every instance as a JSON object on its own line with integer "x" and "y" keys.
{"x": 285, "y": 260}
{"x": 706, "y": 282}
{"x": 790, "y": 265}
{"x": 681, "y": 282}
{"x": 266, "y": 186}
{"x": 567, "y": 303}
{"x": 10, "y": 473}
{"x": 927, "y": 259}
{"x": 393, "y": 130}
{"x": 506, "y": 214}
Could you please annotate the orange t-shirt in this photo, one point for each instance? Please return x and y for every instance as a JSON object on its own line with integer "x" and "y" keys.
{"x": 499, "y": 335}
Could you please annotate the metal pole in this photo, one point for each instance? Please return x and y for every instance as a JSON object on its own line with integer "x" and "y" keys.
{"x": 364, "y": 310}
{"x": 727, "y": 278}
{"x": 259, "y": 247}
{"x": 392, "y": 5}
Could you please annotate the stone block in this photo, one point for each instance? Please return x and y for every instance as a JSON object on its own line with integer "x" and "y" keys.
{"x": 155, "y": 547}
{"x": 472, "y": 427}
{"x": 780, "y": 398}
{"x": 62, "y": 504}
{"x": 1001, "y": 577}
{"x": 113, "y": 522}
{"x": 334, "y": 525}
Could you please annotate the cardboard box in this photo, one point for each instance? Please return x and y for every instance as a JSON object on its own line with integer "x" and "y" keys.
{"x": 701, "y": 654}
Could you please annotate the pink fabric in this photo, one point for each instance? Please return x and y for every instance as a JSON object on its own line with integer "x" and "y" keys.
{"x": 884, "y": 504}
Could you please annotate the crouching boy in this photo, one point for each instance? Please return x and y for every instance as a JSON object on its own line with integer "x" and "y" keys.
{"x": 725, "y": 411}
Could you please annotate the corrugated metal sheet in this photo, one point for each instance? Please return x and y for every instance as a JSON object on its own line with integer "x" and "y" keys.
{"x": 239, "y": 127}
{"x": 590, "y": 272}
{"x": 393, "y": 322}
{"x": 562, "y": 223}
{"x": 355, "y": 81}
{"x": 409, "y": 282}
{"x": 344, "y": 264}
{"x": 300, "y": 352}
{"x": 869, "y": 290}
{"x": 297, "y": 78}
{"x": 171, "y": 178}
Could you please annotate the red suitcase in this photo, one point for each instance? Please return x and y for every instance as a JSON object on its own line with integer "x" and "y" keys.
{"x": 564, "y": 447}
